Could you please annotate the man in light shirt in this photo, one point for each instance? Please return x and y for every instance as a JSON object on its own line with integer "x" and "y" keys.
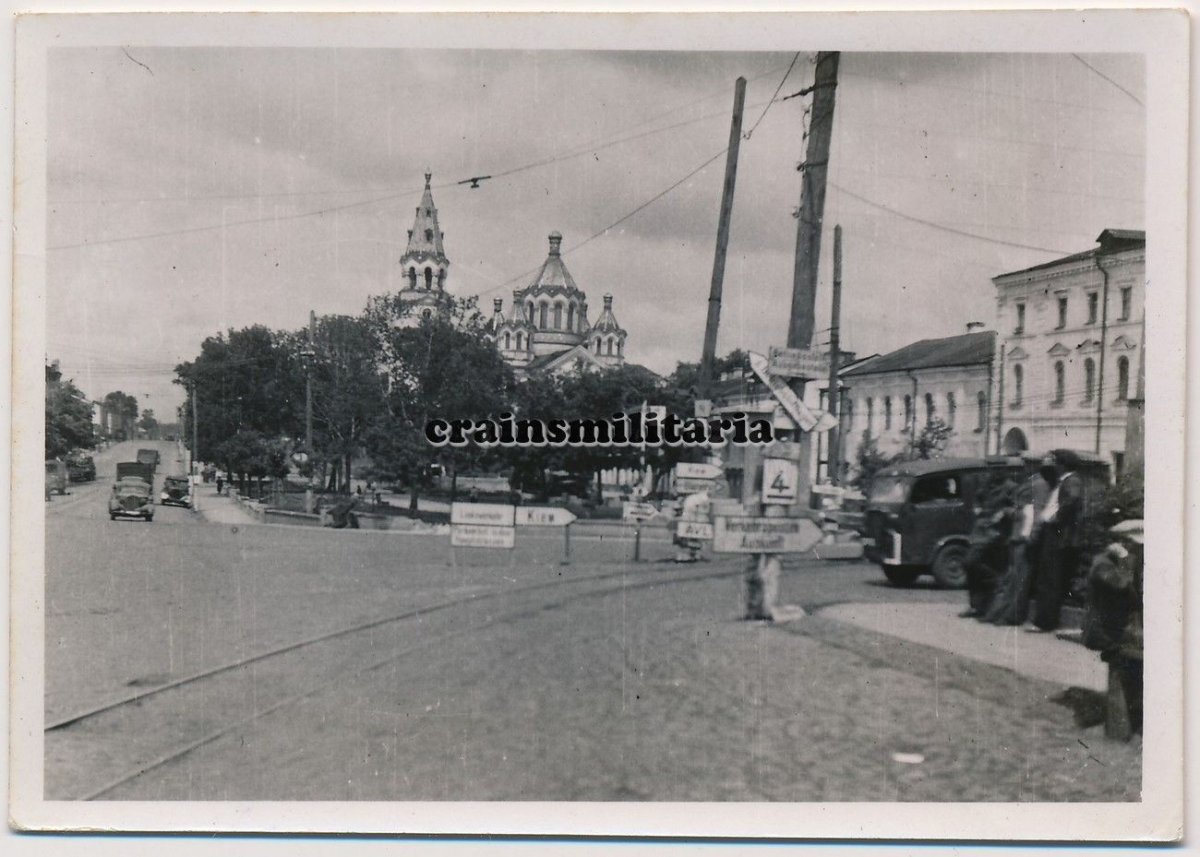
{"x": 1062, "y": 543}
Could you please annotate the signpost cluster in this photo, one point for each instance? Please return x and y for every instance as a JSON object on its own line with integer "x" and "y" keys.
{"x": 493, "y": 525}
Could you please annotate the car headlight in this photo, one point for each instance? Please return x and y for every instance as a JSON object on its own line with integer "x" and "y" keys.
{"x": 164, "y": 496}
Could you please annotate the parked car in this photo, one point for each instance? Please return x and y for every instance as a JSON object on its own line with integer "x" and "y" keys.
{"x": 81, "y": 467}
{"x": 56, "y": 477}
{"x": 131, "y": 498}
{"x": 177, "y": 491}
{"x": 919, "y": 515}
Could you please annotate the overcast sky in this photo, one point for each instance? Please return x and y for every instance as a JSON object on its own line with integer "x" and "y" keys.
{"x": 184, "y": 188}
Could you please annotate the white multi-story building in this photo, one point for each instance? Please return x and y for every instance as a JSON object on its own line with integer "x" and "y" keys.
{"x": 1071, "y": 330}
{"x": 892, "y": 397}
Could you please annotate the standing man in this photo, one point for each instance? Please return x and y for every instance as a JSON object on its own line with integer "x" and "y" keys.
{"x": 1025, "y": 542}
{"x": 1062, "y": 542}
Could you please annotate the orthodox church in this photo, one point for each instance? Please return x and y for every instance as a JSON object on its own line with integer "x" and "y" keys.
{"x": 548, "y": 328}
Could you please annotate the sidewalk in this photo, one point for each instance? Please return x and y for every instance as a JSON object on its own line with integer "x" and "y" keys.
{"x": 1042, "y": 656}
{"x": 219, "y": 509}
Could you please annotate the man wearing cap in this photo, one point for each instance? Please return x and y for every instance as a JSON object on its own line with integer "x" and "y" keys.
{"x": 1062, "y": 542}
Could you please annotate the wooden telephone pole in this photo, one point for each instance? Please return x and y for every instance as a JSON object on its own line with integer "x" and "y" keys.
{"x": 808, "y": 227}
{"x": 718, "y": 275}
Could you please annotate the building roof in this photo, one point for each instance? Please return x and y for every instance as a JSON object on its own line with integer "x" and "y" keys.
{"x": 607, "y": 322}
{"x": 1109, "y": 241}
{"x": 966, "y": 349}
{"x": 426, "y": 224}
{"x": 553, "y": 275}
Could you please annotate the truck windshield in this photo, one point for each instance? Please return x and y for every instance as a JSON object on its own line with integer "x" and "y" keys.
{"x": 889, "y": 489}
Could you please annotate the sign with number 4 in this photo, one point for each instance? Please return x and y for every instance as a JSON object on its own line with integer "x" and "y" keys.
{"x": 780, "y": 481}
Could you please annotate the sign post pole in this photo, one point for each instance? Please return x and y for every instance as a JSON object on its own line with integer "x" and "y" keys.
{"x": 566, "y": 545}
{"x": 637, "y": 542}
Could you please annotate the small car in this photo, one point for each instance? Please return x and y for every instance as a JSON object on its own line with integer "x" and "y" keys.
{"x": 176, "y": 491}
{"x": 131, "y": 498}
{"x": 81, "y": 467}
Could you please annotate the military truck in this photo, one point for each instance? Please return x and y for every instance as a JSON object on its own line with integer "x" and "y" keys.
{"x": 150, "y": 457}
{"x": 135, "y": 470}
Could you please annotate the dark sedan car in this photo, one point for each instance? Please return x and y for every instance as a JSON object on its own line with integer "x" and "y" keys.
{"x": 131, "y": 498}
{"x": 176, "y": 492}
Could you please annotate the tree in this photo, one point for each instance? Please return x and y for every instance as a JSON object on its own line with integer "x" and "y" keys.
{"x": 148, "y": 424}
{"x": 868, "y": 461}
{"x": 68, "y": 415}
{"x": 443, "y": 367}
{"x": 249, "y": 453}
{"x": 932, "y": 440}
{"x": 247, "y": 380}
{"x": 348, "y": 389}
{"x": 122, "y": 410}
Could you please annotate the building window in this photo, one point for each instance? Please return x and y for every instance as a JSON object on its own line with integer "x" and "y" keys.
{"x": 428, "y": 234}
{"x": 412, "y": 278}
{"x": 608, "y": 347}
{"x": 428, "y": 279}
{"x": 1089, "y": 379}
{"x": 1093, "y": 307}
{"x": 620, "y": 347}
{"x": 1062, "y": 313}
{"x": 887, "y": 413}
{"x": 558, "y": 316}
{"x": 597, "y": 346}
{"x": 909, "y": 423}
{"x": 1122, "y": 379}
{"x": 849, "y": 415}
{"x": 951, "y": 410}
{"x": 1126, "y": 302}
{"x": 981, "y": 406}
{"x": 1018, "y": 386}
{"x": 520, "y": 344}
{"x": 542, "y": 310}
{"x": 570, "y": 316}
{"x": 1020, "y": 328}
{"x": 930, "y": 410}
{"x": 870, "y": 414}
{"x": 529, "y": 312}
{"x": 1060, "y": 377}
{"x": 441, "y": 279}
{"x": 427, "y": 314}
{"x": 507, "y": 341}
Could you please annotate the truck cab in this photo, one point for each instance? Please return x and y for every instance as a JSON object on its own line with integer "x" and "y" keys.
{"x": 919, "y": 515}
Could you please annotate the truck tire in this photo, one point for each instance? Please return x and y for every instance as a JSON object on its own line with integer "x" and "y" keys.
{"x": 901, "y": 575}
{"x": 949, "y": 568}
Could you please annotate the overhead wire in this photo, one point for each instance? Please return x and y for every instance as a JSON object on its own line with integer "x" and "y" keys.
{"x": 774, "y": 95}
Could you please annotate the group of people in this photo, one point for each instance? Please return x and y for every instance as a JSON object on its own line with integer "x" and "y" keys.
{"x": 1028, "y": 543}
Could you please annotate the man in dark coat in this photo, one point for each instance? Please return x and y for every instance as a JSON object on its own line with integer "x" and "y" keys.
{"x": 986, "y": 562}
{"x": 1062, "y": 543}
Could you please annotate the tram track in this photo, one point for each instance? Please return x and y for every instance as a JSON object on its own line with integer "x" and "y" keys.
{"x": 210, "y": 702}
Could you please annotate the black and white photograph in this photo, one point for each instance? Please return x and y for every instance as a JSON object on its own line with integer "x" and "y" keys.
{"x": 600, "y": 426}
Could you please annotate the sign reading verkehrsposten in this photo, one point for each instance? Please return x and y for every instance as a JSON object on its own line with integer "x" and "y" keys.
{"x": 485, "y": 514}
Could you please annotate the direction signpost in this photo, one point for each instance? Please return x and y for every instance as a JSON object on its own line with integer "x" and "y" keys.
{"x": 805, "y": 417}
{"x": 696, "y": 470}
{"x": 638, "y": 512}
{"x": 548, "y": 516}
{"x": 482, "y": 525}
{"x": 804, "y": 363}
{"x": 764, "y": 535}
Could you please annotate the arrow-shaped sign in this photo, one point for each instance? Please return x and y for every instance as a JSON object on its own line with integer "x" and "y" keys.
{"x": 692, "y": 470}
{"x": 639, "y": 511}
{"x": 805, "y": 417}
{"x": 543, "y": 516}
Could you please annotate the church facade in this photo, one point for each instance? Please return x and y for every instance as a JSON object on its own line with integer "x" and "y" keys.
{"x": 547, "y": 329}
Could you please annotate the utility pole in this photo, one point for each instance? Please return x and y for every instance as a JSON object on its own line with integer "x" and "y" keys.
{"x": 195, "y": 444}
{"x": 808, "y": 227}
{"x": 718, "y": 273}
{"x": 308, "y": 355}
{"x": 834, "y": 456}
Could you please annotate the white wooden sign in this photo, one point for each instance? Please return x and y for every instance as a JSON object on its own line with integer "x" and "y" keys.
{"x": 764, "y": 535}
{"x": 781, "y": 481}
{"x": 693, "y": 470}
{"x": 476, "y": 536}
{"x": 543, "y": 516}
{"x": 484, "y": 514}
{"x": 799, "y": 363}
{"x": 639, "y": 511}
{"x": 694, "y": 530}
